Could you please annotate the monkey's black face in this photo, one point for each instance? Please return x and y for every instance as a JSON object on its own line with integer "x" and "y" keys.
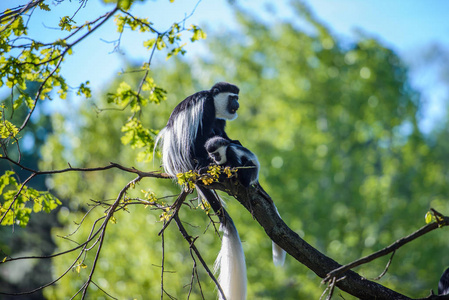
{"x": 216, "y": 142}
{"x": 233, "y": 104}
{"x": 216, "y": 147}
{"x": 226, "y": 105}
{"x": 215, "y": 156}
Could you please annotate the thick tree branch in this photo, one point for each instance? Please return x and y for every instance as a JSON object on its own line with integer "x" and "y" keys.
{"x": 263, "y": 210}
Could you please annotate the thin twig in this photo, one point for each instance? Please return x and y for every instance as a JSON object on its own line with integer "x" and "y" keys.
{"x": 155, "y": 174}
{"x": 61, "y": 56}
{"x": 70, "y": 169}
{"x": 106, "y": 293}
{"x": 175, "y": 207}
{"x": 188, "y": 238}
{"x": 393, "y": 247}
{"x": 331, "y": 289}
{"x": 386, "y": 267}
{"x": 108, "y": 217}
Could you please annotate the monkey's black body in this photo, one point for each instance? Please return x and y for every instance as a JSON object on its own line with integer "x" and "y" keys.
{"x": 192, "y": 122}
{"x": 232, "y": 154}
{"x": 207, "y": 127}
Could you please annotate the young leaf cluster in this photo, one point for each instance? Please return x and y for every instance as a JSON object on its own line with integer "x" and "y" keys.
{"x": 188, "y": 179}
{"x": 7, "y": 129}
{"x": 18, "y": 201}
{"x": 25, "y": 60}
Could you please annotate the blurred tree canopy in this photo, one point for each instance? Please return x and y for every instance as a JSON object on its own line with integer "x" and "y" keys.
{"x": 335, "y": 127}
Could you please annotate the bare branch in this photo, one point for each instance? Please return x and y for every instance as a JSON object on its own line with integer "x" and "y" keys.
{"x": 188, "y": 238}
{"x": 70, "y": 169}
{"x": 386, "y": 267}
{"x": 155, "y": 174}
{"x": 108, "y": 217}
{"x": 393, "y": 247}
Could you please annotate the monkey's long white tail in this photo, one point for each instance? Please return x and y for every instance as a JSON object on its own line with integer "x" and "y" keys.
{"x": 278, "y": 252}
{"x": 231, "y": 262}
{"x": 278, "y": 255}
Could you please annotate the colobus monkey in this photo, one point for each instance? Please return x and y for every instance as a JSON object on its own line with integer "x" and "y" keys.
{"x": 226, "y": 153}
{"x": 193, "y": 121}
{"x": 443, "y": 285}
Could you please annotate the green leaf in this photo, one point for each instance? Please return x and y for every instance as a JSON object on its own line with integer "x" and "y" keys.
{"x": 84, "y": 90}
{"x": 198, "y": 33}
{"x": 149, "y": 43}
{"x": 44, "y": 6}
{"x": 6, "y": 179}
{"x": 8, "y": 129}
{"x": 429, "y": 217}
{"x": 65, "y": 23}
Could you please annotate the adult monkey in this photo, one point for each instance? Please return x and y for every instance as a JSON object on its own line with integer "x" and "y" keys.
{"x": 192, "y": 122}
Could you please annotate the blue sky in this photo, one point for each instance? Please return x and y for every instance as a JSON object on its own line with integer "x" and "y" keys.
{"x": 407, "y": 26}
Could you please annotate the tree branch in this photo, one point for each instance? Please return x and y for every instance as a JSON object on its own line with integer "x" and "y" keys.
{"x": 61, "y": 57}
{"x": 392, "y": 248}
{"x": 70, "y": 169}
{"x": 191, "y": 242}
{"x": 263, "y": 210}
{"x": 18, "y": 11}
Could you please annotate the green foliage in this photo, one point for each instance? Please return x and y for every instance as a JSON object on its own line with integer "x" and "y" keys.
{"x": 44, "y": 6}
{"x": 334, "y": 127}
{"x": 66, "y": 24}
{"x": 125, "y": 96}
{"x": 84, "y": 89}
{"x": 198, "y": 33}
{"x": 140, "y": 24}
{"x": 7, "y": 129}
{"x": 25, "y": 61}
{"x": 137, "y": 136}
{"x": 190, "y": 178}
{"x": 187, "y": 179}
{"x": 16, "y": 200}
